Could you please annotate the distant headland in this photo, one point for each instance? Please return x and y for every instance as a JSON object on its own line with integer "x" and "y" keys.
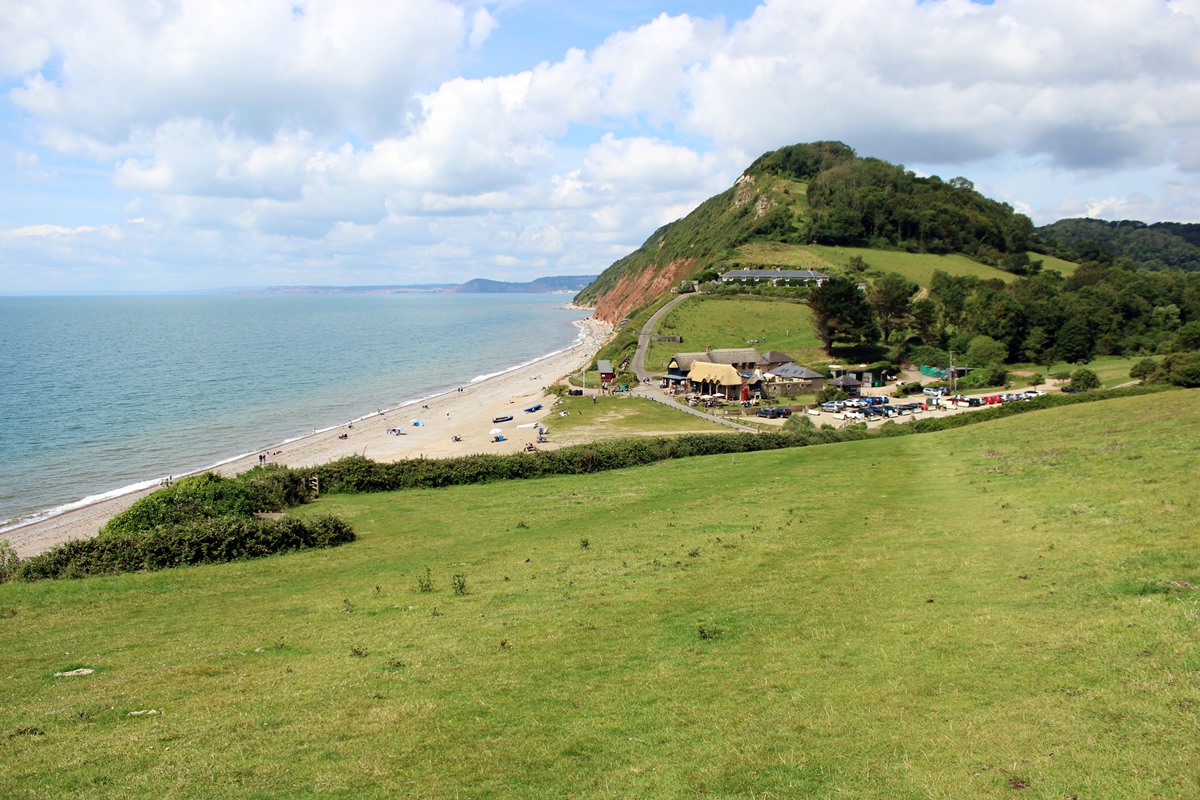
{"x": 564, "y": 284}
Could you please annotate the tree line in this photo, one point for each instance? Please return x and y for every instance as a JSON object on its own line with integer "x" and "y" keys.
{"x": 1102, "y": 309}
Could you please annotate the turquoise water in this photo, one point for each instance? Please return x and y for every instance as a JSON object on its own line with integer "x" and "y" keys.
{"x": 100, "y": 394}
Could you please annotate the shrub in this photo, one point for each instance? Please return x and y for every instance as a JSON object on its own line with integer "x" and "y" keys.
{"x": 1180, "y": 369}
{"x": 275, "y": 487}
{"x": 830, "y": 393}
{"x": 425, "y": 582}
{"x": 188, "y": 499}
{"x": 9, "y": 563}
{"x": 208, "y": 540}
{"x": 1143, "y": 369}
{"x": 1084, "y": 380}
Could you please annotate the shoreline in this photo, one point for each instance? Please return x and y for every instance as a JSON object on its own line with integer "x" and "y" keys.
{"x": 466, "y": 411}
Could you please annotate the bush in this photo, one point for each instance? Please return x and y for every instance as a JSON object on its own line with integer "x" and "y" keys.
{"x": 830, "y": 393}
{"x": 188, "y": 499}
{"x": 357, "y": 474}
{"x": 929, "y": 356}
{"x": 275, "y": 487}
{"x": 210, "y": 540}
{"x": 1180, "y": 369}
{"x": 1143, "y": 369}
{"x": 9, "y": 563}
{"x": 1084, "y": 380}
{"x": 993, "y": 375}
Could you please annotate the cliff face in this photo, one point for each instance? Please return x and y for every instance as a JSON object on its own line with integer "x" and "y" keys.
{"x": 636, "y": 289}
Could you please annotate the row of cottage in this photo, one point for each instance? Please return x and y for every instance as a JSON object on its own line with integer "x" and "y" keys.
{"x": 743, "y": 373}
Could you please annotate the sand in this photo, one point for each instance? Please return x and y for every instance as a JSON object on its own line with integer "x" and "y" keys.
{"x": 467, "y": 413}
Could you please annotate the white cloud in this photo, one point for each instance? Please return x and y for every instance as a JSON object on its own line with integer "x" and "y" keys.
{"x": 320, "y": 65}
{"x": 297, "y": 137}
{"x": 482, "y": 25}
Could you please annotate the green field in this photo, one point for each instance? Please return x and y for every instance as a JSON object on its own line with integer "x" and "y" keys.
{"x": 735, "y": 322}
{"x": 620, "y": 415}
{"x": 1065, "y": 268}
{"x": 917, "y": 267}
{"x": 1113, "y": 371}
{"x": 1002, "y": 610}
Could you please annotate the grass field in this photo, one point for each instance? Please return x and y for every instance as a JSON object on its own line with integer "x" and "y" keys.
{"x": 1112, "y": 370}
{"x": 917, "y": 267}
{"x": 621, "y": 415}
{"x": 1002, "y": 608}
{"x": 735, "y": 322}
{"x": 1065, "y": 268}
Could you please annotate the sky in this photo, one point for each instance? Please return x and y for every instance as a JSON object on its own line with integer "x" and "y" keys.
{"x": 182, "y": 145}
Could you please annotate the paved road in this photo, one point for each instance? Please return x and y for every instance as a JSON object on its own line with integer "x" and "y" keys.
{"x": 639, "y": 358}
{"x": 651, "y": 391}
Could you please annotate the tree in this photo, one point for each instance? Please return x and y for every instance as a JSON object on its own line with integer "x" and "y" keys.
{"x": 926, "y": 322}
{"x": 984, "y": 351}
{"x": 1084, "y": 380}
{"x": 1183, "y": 369}
{"x": 1188, "y": 336}
{"x": 891, "y": 295}
{"x": 1143, "y": 369}
{"x": 840, "y": 313}
{"x": 1074, "y": 341}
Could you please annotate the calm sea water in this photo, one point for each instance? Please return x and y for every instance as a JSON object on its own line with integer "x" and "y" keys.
{"x": 100, "y": 394}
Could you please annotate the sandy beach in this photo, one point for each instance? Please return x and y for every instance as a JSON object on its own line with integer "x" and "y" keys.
{"x": 466, "y": 413}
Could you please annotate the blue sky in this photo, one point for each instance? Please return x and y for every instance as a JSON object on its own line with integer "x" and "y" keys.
{"x": 187, "y": 145}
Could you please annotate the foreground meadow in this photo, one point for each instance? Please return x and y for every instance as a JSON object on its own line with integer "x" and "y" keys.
{"x": 1008, "y": 607}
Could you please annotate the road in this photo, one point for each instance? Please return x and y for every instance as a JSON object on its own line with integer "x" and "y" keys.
{"x": 647, "y": 333}
{"x": 651, "y": 390}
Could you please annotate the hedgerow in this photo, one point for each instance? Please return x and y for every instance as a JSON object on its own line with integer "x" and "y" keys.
{"x": 209, "y": 540}
{"x": 358, "y": 474}
{"x": 208, "y": 495}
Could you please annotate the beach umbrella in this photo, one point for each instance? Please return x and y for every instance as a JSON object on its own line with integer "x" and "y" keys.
{"x": 495, "y": 431}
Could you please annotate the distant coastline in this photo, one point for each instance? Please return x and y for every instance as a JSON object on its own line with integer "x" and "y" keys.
{"x": 554, "y": 284}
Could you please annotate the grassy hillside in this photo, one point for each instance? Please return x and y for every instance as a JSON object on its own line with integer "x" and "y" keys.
{"x": 1065, "y": 268}
{"x": 735, "y": 322}
{"x": 996, "y": 608}
{"x": 817, "y": 192}
{"x": 917, "y": 267}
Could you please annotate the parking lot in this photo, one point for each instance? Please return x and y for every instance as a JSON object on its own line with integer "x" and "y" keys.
{"x": 880, "y": 409}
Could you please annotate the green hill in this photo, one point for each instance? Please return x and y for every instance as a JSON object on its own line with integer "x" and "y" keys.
{"x": 818, "y": 193}
{"x": 1003, "y": 607}
{"x": 1162, "y": 245}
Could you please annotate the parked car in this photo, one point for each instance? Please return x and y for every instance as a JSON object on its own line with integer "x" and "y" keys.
{"x": 767, "y": 413}
{"x": 935, "y": 391}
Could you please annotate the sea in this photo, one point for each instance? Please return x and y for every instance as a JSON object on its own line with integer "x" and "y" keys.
{"x": 101, "y": 396}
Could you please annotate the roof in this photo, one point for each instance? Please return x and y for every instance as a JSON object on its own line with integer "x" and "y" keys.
{"x": 846, "y": 380}
{"x": 774, "y": 274}
{"x": 776, "y": 357}
{"x": 604, "y": 366}
{"x": 734, "y": 355}
{"x": 737, "y": 355}
{"x": 721, "y": 374}
{"x": 795, "y": 372}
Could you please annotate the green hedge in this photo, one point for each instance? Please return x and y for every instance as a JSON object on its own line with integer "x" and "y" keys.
{"x": 211, "y": 540}
{"x": 358, "y": 474}
{"x": 270, "y": 488}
